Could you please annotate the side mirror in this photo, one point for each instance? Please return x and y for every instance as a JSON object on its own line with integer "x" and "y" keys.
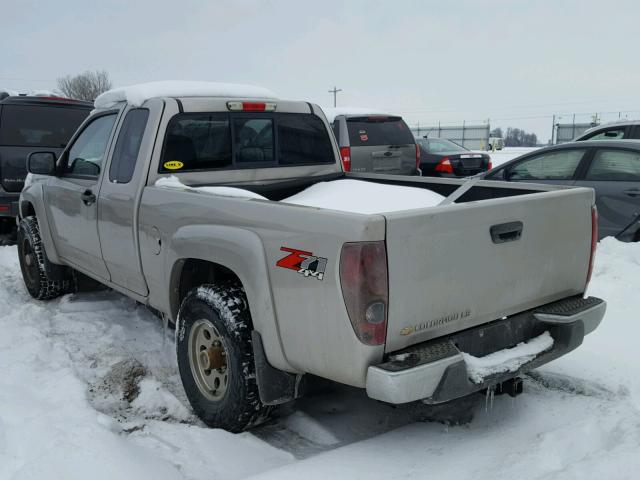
{"x": 495, "y": 175}
{"x": 41, "y": 163}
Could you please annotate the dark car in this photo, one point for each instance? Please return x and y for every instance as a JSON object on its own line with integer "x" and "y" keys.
{"x": 443, "y": 158}
{"x": 612, "y": 169}
{"x": 28, "y": 124}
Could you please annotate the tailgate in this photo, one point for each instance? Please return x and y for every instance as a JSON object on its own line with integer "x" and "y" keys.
{"x": 392, "y": 159}
{"x": 455, "y": 267}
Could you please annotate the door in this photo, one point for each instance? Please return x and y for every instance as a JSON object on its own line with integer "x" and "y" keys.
{"x": 118, "y": 205}
{"x": 556, "y": 167}
{"x": 615, "y": 176}
{"x": 71, "y": 197}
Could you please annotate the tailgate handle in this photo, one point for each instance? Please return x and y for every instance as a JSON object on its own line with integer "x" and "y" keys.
{"x": 506, "y": 232}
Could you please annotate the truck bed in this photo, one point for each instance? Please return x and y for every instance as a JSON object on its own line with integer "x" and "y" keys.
{"x": 501, "y": 248}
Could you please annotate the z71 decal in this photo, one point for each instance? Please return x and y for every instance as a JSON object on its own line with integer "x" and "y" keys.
{"x": 305, "y": 263}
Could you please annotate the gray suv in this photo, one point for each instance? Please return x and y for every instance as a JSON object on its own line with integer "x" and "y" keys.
{"x": 376, "y": 143}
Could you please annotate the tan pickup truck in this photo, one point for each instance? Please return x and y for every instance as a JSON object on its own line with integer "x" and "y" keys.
{"x": 264, "y": 291}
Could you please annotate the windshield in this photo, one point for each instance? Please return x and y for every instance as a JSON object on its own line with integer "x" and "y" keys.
{"x": 436, "y": 145}
{"x": 376, "y": 130}
{"x": 39, "y": 126}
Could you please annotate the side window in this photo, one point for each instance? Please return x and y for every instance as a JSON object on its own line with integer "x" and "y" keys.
{"x": 615, "y": 165}
{"x": 560, "y": 165}
{"x": 635, "y": 132}
{"x": 253, "y": 140}
{"x": 609, "y": 134}
{"x": 87, "y": 152}
{"x": 335, "y": 126}
{"x": 127, "y": 147}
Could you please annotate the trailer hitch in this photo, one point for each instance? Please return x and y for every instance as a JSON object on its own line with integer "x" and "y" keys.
{"x": 512, "y": 387}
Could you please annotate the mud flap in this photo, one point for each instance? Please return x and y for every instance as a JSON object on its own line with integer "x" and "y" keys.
{"x": 275, "y": 386}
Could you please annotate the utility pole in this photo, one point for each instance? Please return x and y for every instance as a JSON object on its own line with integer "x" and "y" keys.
{"x": 335, "y": 94}
{"x": 553, "y": 129}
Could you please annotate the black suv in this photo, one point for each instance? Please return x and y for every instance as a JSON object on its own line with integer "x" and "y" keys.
{"x": 27, "y": 124}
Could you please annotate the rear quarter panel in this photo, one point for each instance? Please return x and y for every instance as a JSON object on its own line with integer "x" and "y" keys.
{"x": 302, "y": 320}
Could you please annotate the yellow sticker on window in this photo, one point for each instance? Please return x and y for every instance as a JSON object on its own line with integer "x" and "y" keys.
{"x": 173, "y": 165}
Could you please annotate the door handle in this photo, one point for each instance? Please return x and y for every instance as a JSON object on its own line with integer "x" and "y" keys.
{"x": 634, "y": 192}
{"x": 506, "y": 232}
{"x": 88, "y": 197}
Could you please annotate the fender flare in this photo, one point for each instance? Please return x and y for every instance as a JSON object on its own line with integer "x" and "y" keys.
{"x": 34, "y": 195}
{"x": 242, "y": 252}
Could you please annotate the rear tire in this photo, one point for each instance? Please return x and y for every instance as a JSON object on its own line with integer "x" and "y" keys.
{"x": 215, "y": 357}
{"x": 32, "y": 263}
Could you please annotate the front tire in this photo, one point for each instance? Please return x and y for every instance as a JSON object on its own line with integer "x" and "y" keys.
{"x": 32, "y": 263}
{"x": 215, "y": 357}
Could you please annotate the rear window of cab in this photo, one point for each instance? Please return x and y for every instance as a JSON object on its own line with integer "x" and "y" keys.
{"x": 214, "y": 141}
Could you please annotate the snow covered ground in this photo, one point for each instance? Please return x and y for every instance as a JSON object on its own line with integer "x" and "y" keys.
{"x": 89, "y": 389}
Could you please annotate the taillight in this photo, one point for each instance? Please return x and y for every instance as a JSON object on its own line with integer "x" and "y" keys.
{"x": 5, "y": 208}
{"x": 594, "y": 242}
{"x": 251, "y": 106}
{"x": 444, "y": 166}
{"x": 489, "y": 165}
{"x": 363, "y": 278}
{"x": 345, "y": 154}
{"x": 417, "y": 157}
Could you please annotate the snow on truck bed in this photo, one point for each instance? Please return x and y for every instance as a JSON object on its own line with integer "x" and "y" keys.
{"x": 353, "y": 196}
{"x": 136, "y": 95}
{"x": 357, "y": 196}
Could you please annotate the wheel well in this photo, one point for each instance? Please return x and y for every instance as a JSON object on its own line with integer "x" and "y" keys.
{"x": 27, "y": 210}
{"x": 193, "y": 272}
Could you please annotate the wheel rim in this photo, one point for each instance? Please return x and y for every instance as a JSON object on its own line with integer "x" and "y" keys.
{"x": 30, "y": 262}
{"x": 208, "y": 360}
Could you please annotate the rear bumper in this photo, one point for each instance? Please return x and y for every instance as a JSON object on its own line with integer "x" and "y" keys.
{"x": 435, "y": 371}
{"x": 9, "y": 204}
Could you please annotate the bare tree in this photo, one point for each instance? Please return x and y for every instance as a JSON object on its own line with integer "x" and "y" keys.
{"x": 85, "y": 86}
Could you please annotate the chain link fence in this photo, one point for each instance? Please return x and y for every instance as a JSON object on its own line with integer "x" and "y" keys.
{"x": 473, "y": 137}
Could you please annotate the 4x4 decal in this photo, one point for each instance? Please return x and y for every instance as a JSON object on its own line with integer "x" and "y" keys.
{"x": 305, "y": 263}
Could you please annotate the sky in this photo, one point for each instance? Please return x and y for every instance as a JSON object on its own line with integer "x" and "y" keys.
{"x": 513, "y": 63}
